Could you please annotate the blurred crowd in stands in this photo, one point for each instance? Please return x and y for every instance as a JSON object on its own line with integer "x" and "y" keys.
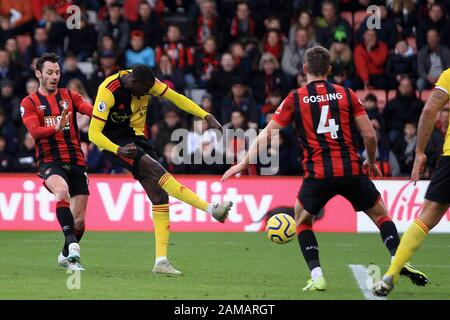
{"x": 238, "y": 60}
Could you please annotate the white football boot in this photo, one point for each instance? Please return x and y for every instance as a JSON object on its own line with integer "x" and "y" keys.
{"x": 62, "y": 260}
{"x": 74, "y": 252}
{"x": 220, "y": 211}
{"x": 165, "y": 267}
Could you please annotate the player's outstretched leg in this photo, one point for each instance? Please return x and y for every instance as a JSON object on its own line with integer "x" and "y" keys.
{"x": 175, "y": 189}
{"x": 153, "y": 171}
{"x": 310, "y": 249}
{"x": 410, "y": 242}
{"x": 389, "y": 236}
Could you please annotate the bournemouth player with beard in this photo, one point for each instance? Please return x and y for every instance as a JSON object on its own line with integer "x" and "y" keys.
{"x": 50, "y": 117}
{"x": 327, "y": 118}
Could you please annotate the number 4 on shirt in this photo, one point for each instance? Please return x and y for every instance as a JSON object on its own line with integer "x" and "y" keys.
{"x": 332, "y": 127}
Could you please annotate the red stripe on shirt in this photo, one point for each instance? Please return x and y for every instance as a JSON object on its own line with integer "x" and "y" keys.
{"x": 310, "y": 132}
{"x": 346, "y": 123}
{"x": 165, "y": 90}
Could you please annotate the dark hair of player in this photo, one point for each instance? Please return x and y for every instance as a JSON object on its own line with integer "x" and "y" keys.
{"x": 52, "y": 57}
{"x": 317, "y": 61}
{"x": 143, "y": 73}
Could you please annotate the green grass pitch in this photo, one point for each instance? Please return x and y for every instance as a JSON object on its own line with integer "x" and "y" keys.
{"x": 215, "y": 265}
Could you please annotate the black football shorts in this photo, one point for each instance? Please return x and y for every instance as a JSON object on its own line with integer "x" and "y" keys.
{"x": 439, "y": 187}
{"x": 143, "y": 147}
{"x": 75, "y": 176}
{"x": 358, "y": 190}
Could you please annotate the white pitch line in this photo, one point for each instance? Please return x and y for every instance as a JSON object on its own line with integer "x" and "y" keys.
{"x": 360, "y": 274}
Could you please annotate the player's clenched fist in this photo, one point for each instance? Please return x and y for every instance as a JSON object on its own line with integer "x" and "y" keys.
{"x": 127, "y": 151}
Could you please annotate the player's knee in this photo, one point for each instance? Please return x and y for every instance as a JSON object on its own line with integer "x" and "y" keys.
{"x": 304, "y": 218}
{"x": 150, "y": 169}
{"x": 62, "y": 193}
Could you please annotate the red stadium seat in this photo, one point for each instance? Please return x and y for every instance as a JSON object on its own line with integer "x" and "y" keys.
{"x": 380, "y": 94}
{"x": 425, "y": 95}
{"x": 23, "y": 41}
{"x": 348, "y": 16}
{"x": 358, "y": 17}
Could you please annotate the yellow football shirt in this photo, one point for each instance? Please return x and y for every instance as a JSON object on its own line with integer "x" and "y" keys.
{"x": 117, "y": 113}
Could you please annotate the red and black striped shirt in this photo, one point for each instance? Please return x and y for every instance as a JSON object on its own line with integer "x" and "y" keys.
{"x": 324, "y": 115}
{"x": 40, "y": 113}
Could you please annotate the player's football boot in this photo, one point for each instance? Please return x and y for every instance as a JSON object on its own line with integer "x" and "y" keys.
{"x": 316, "y": 285}
{"x": 220, "y": 211}
{"x": 62, "y": 260}
{"x": 74, "y": 252}
{"x": 384, "y": 286}
{"x": 74, "y": 266}
{"x": 417, "y": 277}
{"x": 165, "y": 267}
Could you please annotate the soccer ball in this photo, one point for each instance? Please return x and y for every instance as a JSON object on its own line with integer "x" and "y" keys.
{"x": 280, "y": 228}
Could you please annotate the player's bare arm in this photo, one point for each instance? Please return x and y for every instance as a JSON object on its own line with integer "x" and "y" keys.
{"x": 370, "y": 142}
{"x": 261, "y": 141}
{"x": 435, "y": 103}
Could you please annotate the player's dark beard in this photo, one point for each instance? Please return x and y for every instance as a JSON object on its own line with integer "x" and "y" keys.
{"x": 46, "y": 85}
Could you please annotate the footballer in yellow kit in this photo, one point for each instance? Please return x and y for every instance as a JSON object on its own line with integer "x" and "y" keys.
{"x": 117, "y": 128}
{"x": 437, "y": 197}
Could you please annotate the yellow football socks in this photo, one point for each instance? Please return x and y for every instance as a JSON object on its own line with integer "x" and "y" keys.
{"x": 409, "y": 243}
{"x": 182, "y": 193}
{"x": 161, "y": 223}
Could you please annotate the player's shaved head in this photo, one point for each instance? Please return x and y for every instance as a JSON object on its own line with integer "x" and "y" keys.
{"x": 143, "y": 73}
{"x": 317, "y": 60}
{"x": 141, "y": 80}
